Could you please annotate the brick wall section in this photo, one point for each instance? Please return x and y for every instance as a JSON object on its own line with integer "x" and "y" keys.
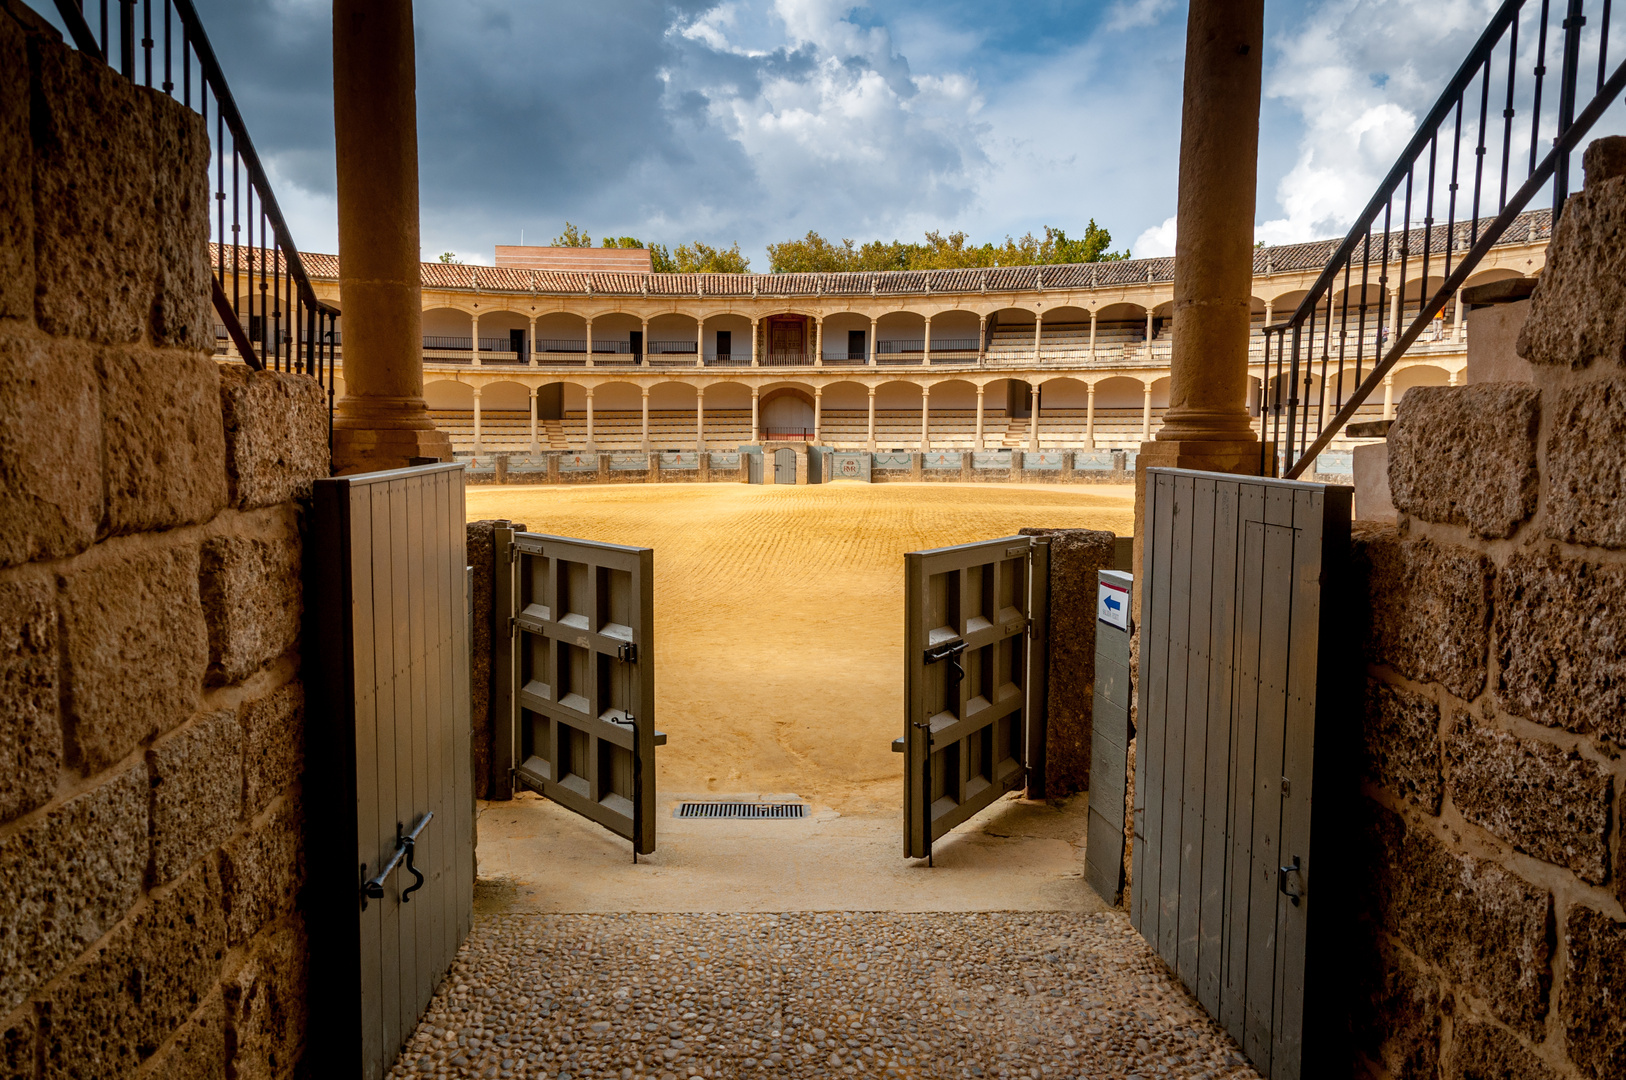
{"x": 1496, "y": 706}
{"x": 151, "y": 713}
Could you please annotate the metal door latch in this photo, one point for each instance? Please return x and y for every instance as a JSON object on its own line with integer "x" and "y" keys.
{"x": 627, "y": 654}
{"x": 950, "y": 651}
{"x": 1281, "y": 881}
{"x": 405, "y": 846}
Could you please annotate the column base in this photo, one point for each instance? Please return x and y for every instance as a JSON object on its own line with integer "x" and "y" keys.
{"x": 1240, "y": 458}
{"x": 363, "y": 449}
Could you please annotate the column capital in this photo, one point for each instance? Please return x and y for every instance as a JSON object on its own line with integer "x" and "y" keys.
{"x": 476, "y": 390}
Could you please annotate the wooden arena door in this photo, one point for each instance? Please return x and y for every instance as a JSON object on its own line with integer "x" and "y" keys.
{"x": 785, "y": 338}
{"x": 573, "y": 669}
{"x": 784, "y": 466}
{"x": 975, "y": 649}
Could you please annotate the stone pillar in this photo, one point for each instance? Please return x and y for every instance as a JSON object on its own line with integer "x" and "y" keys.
{"x": 1388, "y": 397}
{"x": 1451, "y": 378}
{"x": 1150, "y": 321}
{"x": 977, "y": 442}
{"x": 382, "y": 421}
{"x": 873, "y": 325}
{"x": 476, "y": 419}
{"x": 1033, "y": 421}
{"x": 818, "y": 412}
{"x": 700, "y": 418}
{"x": 699, "y": 341}
{"x": 589, "y": 344}
{"x": 1092, "y": 335}
{"x": 926, "y": 349}
{"x": 1456, "y": 318}
{"x": 982, "y": 338}
{"x": 1089, "y": 416}
{"x": 530, "y": 345}
{"x": 1394, "y": 316}
{"x": 1038, "y": 331}
{"x": 871, "y": 441}
{"x": 818, "y": 345}
{"x": 756, "y": 425}
{"x": 1207, "y": 425}
{"x": 590, "y": 447}
{"x": 474, "y": 339}
{"x": 755, "y": 359}
{"x": 1146, "y": 415}
{"x": 533, "y": 420}
{"x": 646, "y": 416}
{"x": 925, "y": 418}
{"x": 643, "y": 357}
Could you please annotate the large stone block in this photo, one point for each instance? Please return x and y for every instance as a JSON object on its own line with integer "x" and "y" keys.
{"x": 276, "y": 434}
{"x": 198, "y": 1050}
{"x": 252, "y": 601}
{"x": 1481, "y": 1051}
{"x": 69, "y": 877}
{"x": 1561, "y": 643}
{"x": 273, "y": 744}
{"x": 136, "y": 648}
{"x": 50, "y": 446}
{"x": 266, "y": 1001}
{"x": 17, "y": 178}
{"x": 1544, "y": 801}
{"x": 119, "y": 1003}
{"x": 182, "y": 312}
{"x": 30, "y": 732}
{"x": 263, "y": 869}
{"x": 1593, "y": 1006}
{"x": 165, "y": 446}
{"x": 197, "y": 791}
{"x": 1481, "y": 923}
{"x": 1397, "y": 1014}
{"x": 1076, "y": 557}
{"x": 1466, "y": 455}
{"x": 19, "y": 1044}
{"x": 1402, "y": 740}
{"x": 1578, "y": 310}
{"x": 95, "y": 239}
{"x": 1586, "y": 465}
{"x": 1428, "y": 609}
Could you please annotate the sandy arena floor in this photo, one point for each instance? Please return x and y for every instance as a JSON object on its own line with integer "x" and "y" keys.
{"x": 779, "y": 613}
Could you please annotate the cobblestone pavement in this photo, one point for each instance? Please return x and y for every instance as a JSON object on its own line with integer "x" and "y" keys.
{"x": 1007, "y": 995}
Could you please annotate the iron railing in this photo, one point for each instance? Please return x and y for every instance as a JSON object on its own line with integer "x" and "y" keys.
{"x": 261, "y": 293}
{"x": 1344, "y": 337}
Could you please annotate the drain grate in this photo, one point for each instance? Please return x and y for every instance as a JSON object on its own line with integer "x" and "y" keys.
{"x": 741, "y": 810}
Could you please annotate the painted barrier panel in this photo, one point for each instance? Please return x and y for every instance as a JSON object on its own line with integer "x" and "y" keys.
{"x": 850, "y": 466}
{"x": 1129, "y": 460}
{"x": 886, "y": 460}
{"x": 527, "y": 465}
{"x": 1092, "y": 460}
{"x": 683, "y": 459}
{"x": 991, "y": 459}
{"x": 1042, "y": 459}
{"x": 628, "y": 462}
{"x": 1340, "y": 462}
{"x": 578, "y": 462}
{"x": 722, "y": 459}
{"x": 943, "y": 459}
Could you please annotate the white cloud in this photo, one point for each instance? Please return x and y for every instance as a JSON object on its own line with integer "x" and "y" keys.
{"x": 1130, "y": 14}
{"x": 1155, "y": 242}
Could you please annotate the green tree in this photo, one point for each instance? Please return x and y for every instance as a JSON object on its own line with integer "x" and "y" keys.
{"x": 449, "y": 257}
{"x": 572, "y": 237}
{"x": 622, "y": 242}
{"x": 660, "y": 259}
{"x": 813, "y": 253}
{"x": 699, "y": 258}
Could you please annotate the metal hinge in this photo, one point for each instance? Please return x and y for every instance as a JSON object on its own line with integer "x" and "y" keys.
{"x": 513, "y": 624}
{"x": 627, "y": 654}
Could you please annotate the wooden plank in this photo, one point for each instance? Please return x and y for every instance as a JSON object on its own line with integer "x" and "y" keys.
{"x": 1218, "y": 752}
{"x": 463, "y": 774}
{"x": 364, "y": 714}
{"x": 1276, "y": 634}
{"x": 644, "y": 759}
{"x": 1250, "y": 590}
{"x": 1192, "y": 836}
{"x": 1036, "y": 713}
{"x": 1153, "y": 715}
{"x": 1298, "y": 763}
{"x": 419, "y": 498}
{"x": 1174, "y": 719}
{"x": 437, "y": 623}
{"x": 394, "y": 550}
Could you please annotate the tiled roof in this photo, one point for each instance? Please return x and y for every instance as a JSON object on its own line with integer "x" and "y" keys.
{"x": 1531, "y": 226}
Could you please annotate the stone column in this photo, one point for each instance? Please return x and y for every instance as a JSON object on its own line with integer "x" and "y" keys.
{"x": 700, "y": 418}
{"x": 818, "y": 346}
{"x": 1089, "y": 417}
{"x": 926, "y": 350}
{"x": 1388, "y": 397}
{"x": 699, "y": 341}
{"x": 474, "y": 339}
{"x": 589, "y": 344}
{"x": 381, "y": 422}
{"x": 643, "y": 358}
{"x": 590, "y": 447}
{"x": 1456, "y": 318}
{"x": 756, "y": 426}
{"x": 1146, "y": 415}
{"x": 1092, "y": 335}
{"x": 818, "y": 412}
{"x": 873, "y": 325}
{"x": 476, "y": 419}
{"x": 1150, "y": 320}
{"x": 925, "y": 419}
{"x": 646, "y": 417}
{"x": 871, "y": 442}
{"x": 1207, "y": 425}
{"x": 533, "y": 420}
{"x": 977, "y": 443}
{"x": 755, "y": 360}
{"x": 1038, "y": 332}
{"x": 1033, "y": 421}
{"x": 1451, "y": 378}
{"x": 982, "y": 338}
{"x": 530, "y": 343}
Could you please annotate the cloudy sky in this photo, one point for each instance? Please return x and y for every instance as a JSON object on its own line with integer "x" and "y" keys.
{"x": 757, "y": 120}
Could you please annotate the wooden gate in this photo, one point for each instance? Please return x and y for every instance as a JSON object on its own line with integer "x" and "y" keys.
{"x": 390, "y": 788}
{"x": 1243, "y": 698}
{"x": 974, "y": 680}
{"x": 574, "y": 672}
{"x": 784, "y": 466}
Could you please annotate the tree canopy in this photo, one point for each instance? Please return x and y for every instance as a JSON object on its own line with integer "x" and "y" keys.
{"x": 814, "y": 254}
{"x": 695, "y": 258}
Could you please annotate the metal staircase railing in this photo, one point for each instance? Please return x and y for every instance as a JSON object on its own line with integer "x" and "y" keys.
{"x": 260, "y": 290}
{"x": 1322, "y": 348}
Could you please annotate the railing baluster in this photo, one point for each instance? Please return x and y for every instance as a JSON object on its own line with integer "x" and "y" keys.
{"x": 146, "y": 38}
{"x": 1603, "y": 43}
{"x": 1508, "y": 113}
{"x": 169, "y": 51}
{"x": 1540, "y": 80}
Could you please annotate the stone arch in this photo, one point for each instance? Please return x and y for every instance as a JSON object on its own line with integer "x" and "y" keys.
{"x": 448, "y": 395}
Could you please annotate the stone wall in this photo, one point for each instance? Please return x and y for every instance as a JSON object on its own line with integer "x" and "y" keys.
{"x": 151, "y": 710}
{"x": 1496, "y": 703}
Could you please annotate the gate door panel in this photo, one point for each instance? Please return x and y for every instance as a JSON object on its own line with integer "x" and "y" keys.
{"x": 969, "y": 665}
{"x": 390, "y": 790}
{"x": 582, "y": 676}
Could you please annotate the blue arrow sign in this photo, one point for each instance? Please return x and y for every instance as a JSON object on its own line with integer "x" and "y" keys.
{"x": 1112, "y": 604}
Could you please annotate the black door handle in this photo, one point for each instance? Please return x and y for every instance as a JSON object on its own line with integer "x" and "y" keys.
{"x": 406, "y": 844}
